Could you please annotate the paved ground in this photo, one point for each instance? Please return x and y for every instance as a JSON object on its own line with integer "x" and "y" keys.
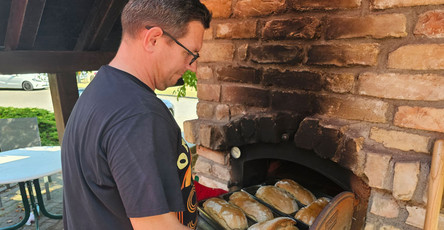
{"x": 12, "y": 210}
{"x": 26, "y": 99}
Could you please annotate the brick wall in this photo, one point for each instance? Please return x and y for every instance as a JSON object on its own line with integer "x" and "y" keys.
{"x": 375, "y": 65}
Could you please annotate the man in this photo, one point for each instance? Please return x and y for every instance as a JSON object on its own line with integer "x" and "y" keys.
{"x": 125, "y": 164}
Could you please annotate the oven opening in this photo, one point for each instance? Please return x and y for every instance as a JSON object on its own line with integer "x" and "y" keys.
{"x": 270, "y": 170}
{"x": 265, "y": 164}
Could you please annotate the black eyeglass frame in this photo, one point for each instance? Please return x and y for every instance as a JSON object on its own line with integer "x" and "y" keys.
{"x": 195, "y": 56}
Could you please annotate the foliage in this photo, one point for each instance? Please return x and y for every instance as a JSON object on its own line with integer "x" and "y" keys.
{"x": 85, "y": 76}
{"x": 190, "y": 80}
{"x": 46, "y": 122}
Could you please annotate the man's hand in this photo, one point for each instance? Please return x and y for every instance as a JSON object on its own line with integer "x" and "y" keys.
{"x": 163, "y": 222}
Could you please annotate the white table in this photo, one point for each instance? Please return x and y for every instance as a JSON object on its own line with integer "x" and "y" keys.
{"x": 24, "y": 166}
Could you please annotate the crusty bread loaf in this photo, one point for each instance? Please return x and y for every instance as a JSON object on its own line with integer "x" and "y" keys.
{"x": 296, "y": 190}
{"x": 255, "y": 210}
{"x": 277, "y": 198}
{"x": 279, "y": 223}
{"x": 309, "y": 213}
{"x": 227, "y": 215}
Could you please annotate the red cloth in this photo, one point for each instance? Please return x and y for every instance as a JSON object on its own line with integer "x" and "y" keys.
{"x": 203, "y": 192}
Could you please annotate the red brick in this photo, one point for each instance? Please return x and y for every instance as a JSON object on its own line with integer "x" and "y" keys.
{"x": 339, "y": 82}
{"x": 384, "y": 205}
{"x": 204, "y": 73}
{"x": 213, "y": 182}
{"x": 233, "y": 30}
{"x": 222, "y": 112}
{"x": 425, "y": 118}
{"x": 253, "y": 8}
{"x": 384, "y": 4}
{"x": 211, "y": 135}
{"x": 344, "y": 55}
{"x": 375, "y": 26}
{"x": 237, "y": 110}
{"x": 245, "y": 95}
{"x": 400, "y": 140}
{"x": 268, "y": 54}
{"x": 202, "y": 165}
{"x": 190, "y": 130}
{"x": 354, "y": 108}
{"x": 238, "y": 74}
{"x": 216, "y": 156}
{"x": 418, "y": 57}
{"x": 205, "y": 137}
{"x": 293, "y": 79}
{"x": 431, "y": 24}
{"x": 219, "y": 8}
{"x": 296, "y": 28}
{"x": 294, "y": 101}
{"x": 242, "y": 52}
{"x": 216, "y": 52}
{"x": 324, "y": 4}
{"x": 208, "y": 34}
{"x": 208, "y": 92}
{"x": 425, "y": 87}
{"x": 205, "y": 110}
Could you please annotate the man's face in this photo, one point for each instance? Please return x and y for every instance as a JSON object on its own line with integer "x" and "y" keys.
{"x": 175, "y": 60}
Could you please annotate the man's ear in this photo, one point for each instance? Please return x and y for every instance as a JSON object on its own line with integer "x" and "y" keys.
{"x": 151, "y": 38}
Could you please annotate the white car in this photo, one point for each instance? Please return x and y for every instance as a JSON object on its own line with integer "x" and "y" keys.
{"x": 24, "y": 81}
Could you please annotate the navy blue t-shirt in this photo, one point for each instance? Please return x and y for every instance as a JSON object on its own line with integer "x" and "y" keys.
{"x": 123, "y": 156}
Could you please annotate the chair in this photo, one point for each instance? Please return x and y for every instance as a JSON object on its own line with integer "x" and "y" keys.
{"x": 19, "y": 133}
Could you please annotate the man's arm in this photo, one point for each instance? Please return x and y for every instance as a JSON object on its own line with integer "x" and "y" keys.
{"x": 164, "y": 221}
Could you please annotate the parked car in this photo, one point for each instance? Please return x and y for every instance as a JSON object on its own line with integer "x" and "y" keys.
{"x": 24, "y": 81}
{"x": 168, "y": 103}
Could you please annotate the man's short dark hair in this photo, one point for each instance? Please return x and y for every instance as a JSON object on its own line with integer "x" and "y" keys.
{"x": 172, "y": 16}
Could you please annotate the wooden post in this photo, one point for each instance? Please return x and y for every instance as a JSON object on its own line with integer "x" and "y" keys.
{"x": 436, "y": 186}
{"x": 64, "y": 93}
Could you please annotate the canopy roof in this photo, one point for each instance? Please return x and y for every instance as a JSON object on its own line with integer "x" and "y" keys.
{"x": 58, "y": 35}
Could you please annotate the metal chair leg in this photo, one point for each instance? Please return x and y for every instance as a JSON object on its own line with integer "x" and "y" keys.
{"x": 48, "y": 194}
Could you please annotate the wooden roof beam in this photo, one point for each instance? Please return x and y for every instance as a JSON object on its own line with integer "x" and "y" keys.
{"x": 31, "y": 24}
{"x": 14, "y": 62}
{"x": 15, "y": 23}
{"x": 99, "y": 24}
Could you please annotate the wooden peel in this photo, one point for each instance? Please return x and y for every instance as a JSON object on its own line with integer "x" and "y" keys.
{"x": 436, "y": 186}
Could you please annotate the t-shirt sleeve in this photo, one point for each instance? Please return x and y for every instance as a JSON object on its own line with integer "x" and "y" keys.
{"x": 141, "y": 153}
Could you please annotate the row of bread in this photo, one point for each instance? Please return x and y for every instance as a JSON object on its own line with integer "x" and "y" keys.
{"x": 232, "y": 217}
{"x": 283, "y": 195}
{"x": 232, "y": 214}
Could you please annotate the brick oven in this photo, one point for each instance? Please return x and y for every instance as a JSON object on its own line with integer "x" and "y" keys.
{"x": 356, "y": 83}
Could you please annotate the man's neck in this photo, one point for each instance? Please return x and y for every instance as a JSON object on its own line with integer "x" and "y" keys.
{"x": 128, "y": 60}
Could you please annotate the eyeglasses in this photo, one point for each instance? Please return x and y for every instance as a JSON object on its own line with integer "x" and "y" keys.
{"x": 195, "y": 56}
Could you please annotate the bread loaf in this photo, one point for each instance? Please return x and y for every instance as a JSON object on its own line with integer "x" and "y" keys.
{"x": 280, "y": 223}
{"x": 309, "y": 213}
{"x": 277, "y": 198}
{"x": 296, "y": 190}
{"x": 255, "y": 210}
{"x": 227, "y": 215}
